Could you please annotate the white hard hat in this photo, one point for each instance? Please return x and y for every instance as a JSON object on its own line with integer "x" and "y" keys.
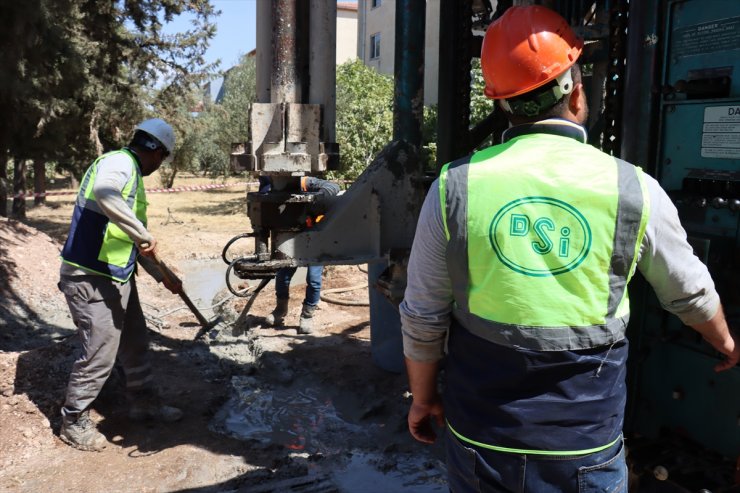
{"x": 160, "y": 130}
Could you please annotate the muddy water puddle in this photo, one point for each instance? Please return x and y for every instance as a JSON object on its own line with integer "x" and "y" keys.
{"x": 292, "y": 418}
{"x": 305, "y": 421}
{"x": 203, "y": 279}
{"x": 372, "y": 472}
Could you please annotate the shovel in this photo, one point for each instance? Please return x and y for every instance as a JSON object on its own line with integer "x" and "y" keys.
{"x": 205, "y": 325}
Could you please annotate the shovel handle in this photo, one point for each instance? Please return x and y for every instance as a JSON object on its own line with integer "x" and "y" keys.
{"x": 201, "y": 319}
{"x": 171, "y": 277}
{"x": 166, "y": 272}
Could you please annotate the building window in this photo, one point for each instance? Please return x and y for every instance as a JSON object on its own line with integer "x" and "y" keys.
{"x": 375, "y": 3}
{"x": 375, "y": 46}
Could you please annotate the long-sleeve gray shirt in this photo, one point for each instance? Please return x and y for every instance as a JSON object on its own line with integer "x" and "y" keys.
{"x": 680, "y": 280}
{"x": 113, "y": 173}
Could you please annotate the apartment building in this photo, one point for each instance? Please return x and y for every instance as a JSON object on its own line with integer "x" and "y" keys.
{"x": 346, "y": 31}
{"x": 376, "y": 35}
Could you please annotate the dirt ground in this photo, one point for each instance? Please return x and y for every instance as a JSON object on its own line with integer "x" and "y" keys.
{"x": 266, "y": 410}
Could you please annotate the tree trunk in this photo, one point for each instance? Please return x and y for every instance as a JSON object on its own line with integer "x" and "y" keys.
{"x": 74, "y": 183}
{"x": 19, "y": 186}
{"x": 3, "y": 181}
{"x": 39, "y": 181}
{"x": 171, "y": 178}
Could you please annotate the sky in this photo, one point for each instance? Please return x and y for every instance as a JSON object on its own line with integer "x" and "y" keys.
{"x": 235, "y": 31}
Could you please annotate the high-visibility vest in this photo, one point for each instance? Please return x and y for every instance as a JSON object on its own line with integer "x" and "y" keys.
{"x": 543, "y": 235}
{"x": 94, "y": 243}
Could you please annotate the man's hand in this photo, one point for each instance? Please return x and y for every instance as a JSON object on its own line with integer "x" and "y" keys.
{"x": 420, "y": 420}
{"x": 731, "y": 349}
{"x": 426, "y": 404}
{"x": 170, "y": 280}
{"x": 148, "y": 249}
{"x": 717, "y": 332}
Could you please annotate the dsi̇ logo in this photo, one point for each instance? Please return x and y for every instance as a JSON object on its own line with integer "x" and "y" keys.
{"x": 540, "y": 236}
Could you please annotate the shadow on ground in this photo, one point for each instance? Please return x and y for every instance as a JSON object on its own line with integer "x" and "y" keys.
{"x": 366, "y": 423}
{"x": 21, "y": 326}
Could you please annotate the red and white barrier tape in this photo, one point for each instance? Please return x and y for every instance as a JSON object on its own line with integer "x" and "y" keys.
{"x": 149, "y": 190}
{"x": 195, "y": 187}
{"x": 46, "y": 194}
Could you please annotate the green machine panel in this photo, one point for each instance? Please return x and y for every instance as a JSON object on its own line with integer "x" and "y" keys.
{"x": 685, "y": 390}
{"x": 698, "y": 152}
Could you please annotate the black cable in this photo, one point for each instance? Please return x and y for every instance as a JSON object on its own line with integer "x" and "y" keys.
{"x": 231, "y": 242}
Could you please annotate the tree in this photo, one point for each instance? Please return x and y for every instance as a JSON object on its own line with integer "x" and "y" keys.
{"x": 176, "y": 108}
{"x": 487, "y": 121}
{"x": 39, "y": 182}
{"x": 205, "y": 138}
{"x": 76, "y": 79}
{"x": 227, "y": 120}
{"x": 429, "y": 138}
{"x": 481, "y": 109}
{"x": 364, "y": 116}
{"x": 239, "y": 94}
{"x": 480, "y": 105}
{"x": 19, "y": 187}
{"x": 3, "y": 181}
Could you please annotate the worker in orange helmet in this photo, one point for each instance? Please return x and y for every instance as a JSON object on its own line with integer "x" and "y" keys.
{"x": 518, "y": 279}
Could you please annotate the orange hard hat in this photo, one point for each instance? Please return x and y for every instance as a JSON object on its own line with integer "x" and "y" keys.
{"x": 526, "y": 48}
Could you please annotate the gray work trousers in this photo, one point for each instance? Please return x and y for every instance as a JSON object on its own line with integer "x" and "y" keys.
{"x": 111, "y": 324}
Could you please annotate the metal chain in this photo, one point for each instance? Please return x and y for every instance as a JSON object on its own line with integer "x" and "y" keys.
{"x": 614, "y": 98}
{"x": 463, "y": 67}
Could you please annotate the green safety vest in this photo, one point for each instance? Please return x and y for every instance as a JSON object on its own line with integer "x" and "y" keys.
{"x": 544, "y": 233}
{"x": 94, "y": 243}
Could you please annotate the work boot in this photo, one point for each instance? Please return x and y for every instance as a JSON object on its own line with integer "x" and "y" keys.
{"x": 146, "y": 405}
{"x": 278, "y": 314}
{"x": 79, "y": 431}
{"x": 305, "y": 324}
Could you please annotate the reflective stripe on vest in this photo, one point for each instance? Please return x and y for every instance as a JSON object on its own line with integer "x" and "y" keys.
{"x": 95, "y": 244}
{"x": 509, "y": 450}
{"x": 543, "y": 235}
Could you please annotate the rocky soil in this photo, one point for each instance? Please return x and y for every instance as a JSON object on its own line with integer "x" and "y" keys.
{"x": 265, "y": 410}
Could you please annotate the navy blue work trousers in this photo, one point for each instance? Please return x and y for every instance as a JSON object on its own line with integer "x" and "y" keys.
{"x": 475, "y": 469}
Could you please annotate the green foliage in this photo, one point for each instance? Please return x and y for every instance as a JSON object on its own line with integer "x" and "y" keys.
{"x": 78, "y": 77}
{"x": 364, "y": 116}
{"x": 429, "y": 138}
{"x": 480, "y": 105}
{"x": 229, "y": 119}
{"x": 205, "y": 137}
{"x": 239, "y": 94}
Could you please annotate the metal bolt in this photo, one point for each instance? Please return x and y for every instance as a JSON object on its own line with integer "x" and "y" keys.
{"x": 719, "y": 202}
{"x": 660, "y": 473}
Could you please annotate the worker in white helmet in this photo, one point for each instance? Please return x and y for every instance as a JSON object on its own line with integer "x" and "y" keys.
{"x": 106, "y": 236}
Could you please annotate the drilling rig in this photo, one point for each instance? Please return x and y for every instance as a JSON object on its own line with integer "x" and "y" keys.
{"x": 661, "y": 85}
